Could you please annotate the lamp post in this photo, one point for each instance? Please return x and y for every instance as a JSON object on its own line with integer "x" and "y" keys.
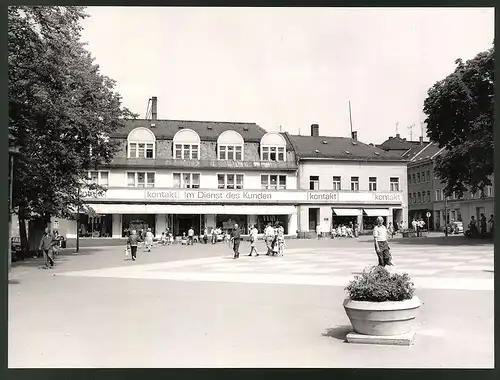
{"x": 446, "y": 215}
{"x": 13, "y": 150}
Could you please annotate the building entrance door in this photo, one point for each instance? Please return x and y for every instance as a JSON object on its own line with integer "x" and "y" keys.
{"x": 183, "y": 222}
{"x": 313, "y": 218}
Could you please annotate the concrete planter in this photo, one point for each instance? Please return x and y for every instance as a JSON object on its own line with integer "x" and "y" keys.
{"x": 382, "y": 318}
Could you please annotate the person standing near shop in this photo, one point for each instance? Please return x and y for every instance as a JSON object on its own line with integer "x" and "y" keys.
{"x": 381, "y": 245}
{"x": 148, "y": 240}
{"x": 132, "y": 242}
{"x": 269, "y": 236}
{"x": 491, "y": 224}
{"x": 190, "y": 236}
{"x": 236, "y": 239}
{"x": 253, "y": 241}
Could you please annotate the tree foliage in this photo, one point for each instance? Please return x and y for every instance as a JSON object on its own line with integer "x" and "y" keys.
{"x": 61, "y": 110}
{"x": 459, "y": 113}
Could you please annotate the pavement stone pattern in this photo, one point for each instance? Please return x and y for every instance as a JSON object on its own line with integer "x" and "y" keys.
{"x": 435, "y": 267}
{"x": 197, "y": 307}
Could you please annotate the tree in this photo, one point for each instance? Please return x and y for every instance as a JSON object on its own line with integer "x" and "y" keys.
{"x": 61, "y": 111}
{"x": 459, "y": 113}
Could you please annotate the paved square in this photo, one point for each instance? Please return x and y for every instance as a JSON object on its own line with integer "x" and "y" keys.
{"x": 197, "y": 307}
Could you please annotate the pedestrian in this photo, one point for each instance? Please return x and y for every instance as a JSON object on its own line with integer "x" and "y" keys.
{"x": 132, "y": 242}
{"x": 274, "y": 244}
{"x": 269, "y": 236}
{"x": 46, "y": 246}
{"x": 148, "y": 240}
{"x": 356, "y": 227}
{"x": 205, "y": 235}
{"x": 253, "y": 241}
{"x": 281, "y": 240}
{"x": 214, "y": 235}
{"x": 319, "y": 231}
{"x": 190, "y": 236}
{"x": 483, "y": 224}
{"x": 57, "y": 244}
{"x": 163, "y": 238}
{"x": 381, "y": 244}
{"x": 491, "y": 224}
{"x": 390, "y": 230}
{"x": 236, "y": 238}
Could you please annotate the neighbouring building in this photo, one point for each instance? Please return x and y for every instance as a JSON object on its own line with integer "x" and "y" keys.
{"x": 350, "y": 182}
{"x": 398, "y": 145}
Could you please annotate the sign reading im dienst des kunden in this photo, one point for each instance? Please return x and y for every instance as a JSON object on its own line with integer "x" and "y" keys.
{"x": 244, "y": 196}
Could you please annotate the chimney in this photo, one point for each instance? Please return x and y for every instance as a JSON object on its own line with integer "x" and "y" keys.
{"x": 315, "y": 130}
{"x": 154, "y": 108}
{"x": 354, "y": 135}
{"x": 421, "y": 139}
{"x": 398, "y": 136}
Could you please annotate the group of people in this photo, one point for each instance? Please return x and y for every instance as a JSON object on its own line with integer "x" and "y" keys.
{"x": 350, "y": 230}
{"x": 482, "y": 226}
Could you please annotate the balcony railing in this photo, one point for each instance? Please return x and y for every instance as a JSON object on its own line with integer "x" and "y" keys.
{"x": 202, "y": 164}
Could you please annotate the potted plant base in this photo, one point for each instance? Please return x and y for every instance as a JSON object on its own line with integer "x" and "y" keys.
{"x": 382, "y": 308}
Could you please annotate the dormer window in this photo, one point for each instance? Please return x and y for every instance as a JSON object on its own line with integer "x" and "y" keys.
{"x": 230, "y": 146}
{"x": 273, "y": 147}
{"x": 186, "y": 145}
{"x": 141, "y": 144}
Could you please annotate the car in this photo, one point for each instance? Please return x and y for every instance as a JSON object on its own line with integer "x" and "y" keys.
{"x": 457, "y": 228}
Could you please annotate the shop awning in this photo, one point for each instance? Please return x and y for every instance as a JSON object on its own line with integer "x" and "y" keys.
{"x": 347, "y": 211}
{"x": 192, "y": 209}
{"x": 377, "y": 211}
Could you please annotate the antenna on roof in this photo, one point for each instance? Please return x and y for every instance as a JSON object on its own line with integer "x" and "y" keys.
{"x": 350, "y": 116}
{"x": 410, "y": 128}
{"x": 397, "y": 123}
{"x": 148, "y": 108}
{"x": 422, "y": 129}
{"x": 280, "y": 128}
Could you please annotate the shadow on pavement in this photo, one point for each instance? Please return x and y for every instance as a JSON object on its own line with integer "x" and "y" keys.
{"x": 339, "y": 332}
{"x": 14, "y": 282}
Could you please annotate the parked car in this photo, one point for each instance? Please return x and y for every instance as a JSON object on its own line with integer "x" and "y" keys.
{"x": 15, "y": 247}
{"x": 456, "y": 228}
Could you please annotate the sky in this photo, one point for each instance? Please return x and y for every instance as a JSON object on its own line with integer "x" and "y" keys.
{"x": 288, "y": 67}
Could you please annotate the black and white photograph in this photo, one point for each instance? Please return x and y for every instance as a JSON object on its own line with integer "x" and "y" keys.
{"x": 250, "y": 187}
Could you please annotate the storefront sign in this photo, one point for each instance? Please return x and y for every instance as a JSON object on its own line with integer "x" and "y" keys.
{"x": 244, "y": 196}
{"x": 98, "y": 194}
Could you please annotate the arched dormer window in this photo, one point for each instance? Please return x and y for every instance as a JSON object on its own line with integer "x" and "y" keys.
{"x": 141, "y": 143}
{"x": 187, "y": 145}
{"x": 230, "y": 146}
{"x": 273, "y": 147}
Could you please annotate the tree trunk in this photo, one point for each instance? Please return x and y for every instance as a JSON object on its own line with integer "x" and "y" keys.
{"x": 22, "y": 233}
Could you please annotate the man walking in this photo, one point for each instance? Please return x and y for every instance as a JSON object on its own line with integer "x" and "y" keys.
{"x": 190, "y": 236}
{"x": 253, "y": 241}
{"x": 46, "y": 246}
{"x": 381, "y": 245}
{"x": 269, "y": 236}
{"x": 132, "y": 242}
{"x": 236, "y": 238}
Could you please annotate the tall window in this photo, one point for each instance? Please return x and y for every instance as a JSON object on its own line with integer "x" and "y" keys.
{"x": 187, "y": 151}
{"x": 413, "y": 178}
{"x": 394, "y": 184}
{"x": 273, "y": 153}
{"x": 414, "y": 198}
{"x": 273, "y": 181}
{"x": 187, "y": 180}
{"x": 231, "y": 152}
{"x": 141, "y": 179}
{"x": 314, "y": 182}
{"x": 428, "y": 176}
{"x": 336, "y": 183}
{"x": 372, "y": 183}
{"x": 423, "y": 176}
{"x": 438, "y": 195}
{"x": 355, "y": 183}
{"x": 418, "y": 177}
{"x": 409, "y": 178}
{"x": 428, "y": 196}
{"x": 419, "y": 197}
{"x": 230, "y": 181}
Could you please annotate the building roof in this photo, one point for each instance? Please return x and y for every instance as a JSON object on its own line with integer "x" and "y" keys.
{"x": 207, "y": 130}
{"x": 413, "y": 151}
{"x": 342, "y": 148}
{"x": 429, "y": 152}
{"x": 397, "y": 143}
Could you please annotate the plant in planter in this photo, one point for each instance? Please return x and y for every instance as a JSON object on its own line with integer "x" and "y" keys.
{"x": 381, "y": 303}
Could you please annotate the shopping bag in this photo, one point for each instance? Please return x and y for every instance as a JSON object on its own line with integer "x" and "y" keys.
{"x": 126, "y": 251}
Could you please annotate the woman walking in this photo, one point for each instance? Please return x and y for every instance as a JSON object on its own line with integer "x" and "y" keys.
{"x": 281, "y": 240}
{"x": 253, "y": 241}
{"x": 149, "y": 239}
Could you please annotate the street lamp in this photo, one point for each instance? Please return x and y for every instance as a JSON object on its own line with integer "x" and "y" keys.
{"x": 13, "y": 150}
{"x": 446, "y": 215}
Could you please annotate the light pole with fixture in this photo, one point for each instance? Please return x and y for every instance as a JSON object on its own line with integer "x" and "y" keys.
{"x": 13, "y": 151}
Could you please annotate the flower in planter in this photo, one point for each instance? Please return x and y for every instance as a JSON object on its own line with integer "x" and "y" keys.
{"x": 378, "y": 285}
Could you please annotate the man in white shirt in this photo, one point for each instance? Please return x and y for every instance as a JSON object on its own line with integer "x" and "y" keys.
{"x": 381, "y": 246}
{"x": 190, "y": 236}
{"x": 269, "y": 236}
{"x": 319, "y": 231}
